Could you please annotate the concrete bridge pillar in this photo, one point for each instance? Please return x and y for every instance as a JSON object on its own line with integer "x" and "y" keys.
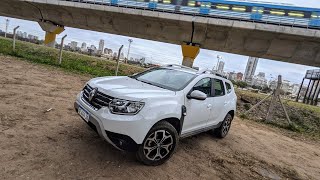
{"x": 189, "y": 52}
{"x": 51, "y": 32}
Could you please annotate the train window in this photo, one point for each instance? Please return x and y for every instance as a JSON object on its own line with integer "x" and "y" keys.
{"x": 166, "y": 1}
{"x": 277, "y": 12}
{"x": 315, "y": 15}
{"x": 222, "y": 6}
{"x": 239, "y": 8}
{"x": 296, "y": 14}
{"x": 257, "y": 10}
{"x": 206, "y": 4}
{"x": 191, "y": 3}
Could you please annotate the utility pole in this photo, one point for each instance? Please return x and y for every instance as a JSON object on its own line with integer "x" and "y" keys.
{"x": 61, "y": 48}
{"x": 7, "y": 25}
{"x": 118, "y": 59}
{"x": 130, "y": 41}
{"x": 14, "y": 38}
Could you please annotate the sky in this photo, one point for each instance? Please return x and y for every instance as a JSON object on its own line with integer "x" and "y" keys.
{"x": 164, "y": 53}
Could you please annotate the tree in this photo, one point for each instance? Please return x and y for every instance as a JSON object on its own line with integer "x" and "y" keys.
{"x": 256, "y": 87}
{"x": 242, "y": 84}
{"x": 266, "y": 89}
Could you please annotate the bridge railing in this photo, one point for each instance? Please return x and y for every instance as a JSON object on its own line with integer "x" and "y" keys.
{"x": 207, "y": 12}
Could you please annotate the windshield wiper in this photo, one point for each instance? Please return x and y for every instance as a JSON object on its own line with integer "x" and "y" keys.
{"x": 133, "y": 77}
{"x": 151, "y": 84}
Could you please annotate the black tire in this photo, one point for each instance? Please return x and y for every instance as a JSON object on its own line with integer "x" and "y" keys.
{"x": 155, "y": 144}
{"x": 224, "y": 128}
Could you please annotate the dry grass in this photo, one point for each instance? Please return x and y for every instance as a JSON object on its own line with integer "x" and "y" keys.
{"x": 73, "y": 62}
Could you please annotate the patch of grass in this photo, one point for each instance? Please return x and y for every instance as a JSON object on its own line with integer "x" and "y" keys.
{"x": 247, "y": 106}
{"x": 243, "y": 116}
{"x": 305, "y": 118}
{"x": 72, "y": 62}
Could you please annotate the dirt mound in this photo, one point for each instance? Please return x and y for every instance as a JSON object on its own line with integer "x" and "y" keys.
{"x": 36, "y": 144}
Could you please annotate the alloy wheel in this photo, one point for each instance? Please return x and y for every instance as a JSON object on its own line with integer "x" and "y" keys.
{"x": 226, "y": 126}
{"x": 158, "y": 145}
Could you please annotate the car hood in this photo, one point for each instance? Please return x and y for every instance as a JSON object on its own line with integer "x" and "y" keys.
{"x": 128, "y": 88}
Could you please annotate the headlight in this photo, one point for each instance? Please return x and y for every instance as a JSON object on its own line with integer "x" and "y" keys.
{"x": 118, "y": 106}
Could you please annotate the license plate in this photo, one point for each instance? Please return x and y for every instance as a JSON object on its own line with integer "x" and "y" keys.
{"x": 84, "y": 114}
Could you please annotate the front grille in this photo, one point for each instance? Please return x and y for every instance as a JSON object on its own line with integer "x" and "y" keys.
{"x": 99, "y": 100}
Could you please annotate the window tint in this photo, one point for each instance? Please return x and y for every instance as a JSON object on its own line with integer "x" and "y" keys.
{"x": 218, "y": 88}
{"x": 229, "y": 88}
{"x": 204, "y": 85}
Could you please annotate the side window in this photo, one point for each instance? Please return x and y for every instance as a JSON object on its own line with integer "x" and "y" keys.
{"x": 229, "y": 88}
{"x": 218, "y": 88}
{"x": 204, "y": 85}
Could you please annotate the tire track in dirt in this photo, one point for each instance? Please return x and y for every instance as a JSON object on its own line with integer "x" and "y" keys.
{"x": 58, "y": 144}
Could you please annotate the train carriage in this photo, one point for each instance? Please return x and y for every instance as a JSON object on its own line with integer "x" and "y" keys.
{"x": 274, "y": 13}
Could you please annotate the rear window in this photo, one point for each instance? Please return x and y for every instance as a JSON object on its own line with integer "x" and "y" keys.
{"x": 229, "y": 88}
{"x": 218, "y": 88}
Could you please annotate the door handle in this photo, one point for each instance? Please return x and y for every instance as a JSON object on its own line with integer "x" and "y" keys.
{"x": 209, "y": 106}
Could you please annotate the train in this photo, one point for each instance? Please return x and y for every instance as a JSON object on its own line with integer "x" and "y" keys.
{"x": 265, "y": 12}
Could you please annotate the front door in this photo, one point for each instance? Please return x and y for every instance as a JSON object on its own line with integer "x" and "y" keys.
{"x": 198, "y": 112}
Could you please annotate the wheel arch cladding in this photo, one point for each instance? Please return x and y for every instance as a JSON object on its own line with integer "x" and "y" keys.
{"x": 175, "y": 122}
{"x": 231, "y": 113}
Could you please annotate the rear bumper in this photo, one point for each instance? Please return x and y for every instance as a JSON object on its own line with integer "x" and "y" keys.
{"x": 119, "y": 141}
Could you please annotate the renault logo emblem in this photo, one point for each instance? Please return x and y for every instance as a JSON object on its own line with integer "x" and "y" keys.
{"x": 92, "y": 94}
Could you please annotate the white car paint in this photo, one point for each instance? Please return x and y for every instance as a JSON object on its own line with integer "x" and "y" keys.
{"x": 160, "y": 104}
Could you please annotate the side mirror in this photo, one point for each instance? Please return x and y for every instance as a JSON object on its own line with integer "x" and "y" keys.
{"x": 198, "y": 95}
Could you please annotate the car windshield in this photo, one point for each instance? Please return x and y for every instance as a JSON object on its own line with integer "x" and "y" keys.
{"x": 165, "y": 78}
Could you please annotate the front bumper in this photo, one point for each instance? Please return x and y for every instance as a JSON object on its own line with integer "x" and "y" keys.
{"x": 119, "y": 141}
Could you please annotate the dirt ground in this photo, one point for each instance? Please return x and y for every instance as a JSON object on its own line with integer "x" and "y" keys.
{"x": 35, "y": 144}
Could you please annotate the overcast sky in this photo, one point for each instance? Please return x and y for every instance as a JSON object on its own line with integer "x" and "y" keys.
{"x": 162, "y": 53}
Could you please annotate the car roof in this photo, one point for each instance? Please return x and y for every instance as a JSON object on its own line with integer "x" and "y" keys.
{"x": 195, "y": 71}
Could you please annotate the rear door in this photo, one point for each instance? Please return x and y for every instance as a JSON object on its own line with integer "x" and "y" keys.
{"x": 218, "y": 101}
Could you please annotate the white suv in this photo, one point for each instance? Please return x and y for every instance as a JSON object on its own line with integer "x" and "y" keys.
{"x": 149, "y": 112}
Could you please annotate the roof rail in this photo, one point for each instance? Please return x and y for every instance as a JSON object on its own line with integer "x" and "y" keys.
{"x": 203, "y": 71}
{"x": 181, "y": 66}
{"x": 211, "y": 72}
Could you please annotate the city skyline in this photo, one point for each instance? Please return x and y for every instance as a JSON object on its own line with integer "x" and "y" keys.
{"x": 164, "y": 53}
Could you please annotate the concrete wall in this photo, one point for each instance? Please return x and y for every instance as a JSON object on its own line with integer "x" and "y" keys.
{"x": 295, "y": 45}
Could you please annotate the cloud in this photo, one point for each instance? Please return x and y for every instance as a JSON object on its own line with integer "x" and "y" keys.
{"x": 164, "y": 53}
